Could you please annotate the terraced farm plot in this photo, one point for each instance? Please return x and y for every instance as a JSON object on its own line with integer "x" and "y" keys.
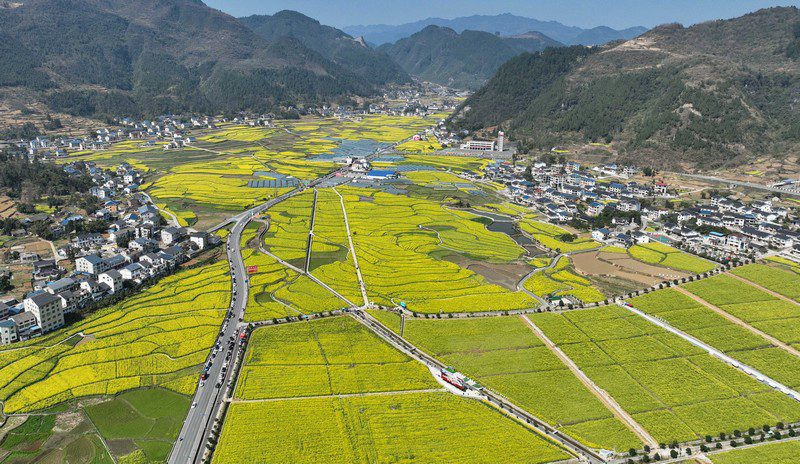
{"x": 562, "y": 280}
{"x": 663, "y": 255}
{"x": 506, "y": 209}
{"x": 673, "y": 389}
{"x": 506, "y": 356}
{"x": 785, "y": 264}
{"x": 143, "y": 420}
{"x": 397, "y": 240}
{"x": 426, "y": 145}
{"x": 325, "y": 357}
{"x": 453, "y": 163}
{"x": 157, "y": 337}
{"x": 414, "y": 427}
{"x": 551, "y": 236}
{"x": 786, "y": 283}
{"x": 786, "y": 452}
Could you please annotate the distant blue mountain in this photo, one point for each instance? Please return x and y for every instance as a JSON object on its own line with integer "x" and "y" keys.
{"x": 505, "y": 24}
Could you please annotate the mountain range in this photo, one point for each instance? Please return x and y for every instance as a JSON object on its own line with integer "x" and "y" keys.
{"x": 504, "y": 24}
{"x": 116, "y": 57}
{"x": 344, "y": 50}
{"x": 465, "y": 60}
{"x": 721, "y": 92}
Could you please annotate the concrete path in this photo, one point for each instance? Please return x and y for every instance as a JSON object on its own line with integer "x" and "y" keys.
{"x": 716, "y": 353}
{"x": 353, "y": 249}
{"x": 598, "y": 392}
{"x": 310, "y": 242}
{"x": 740, "y": 323}
{"x": 173, "y": 221}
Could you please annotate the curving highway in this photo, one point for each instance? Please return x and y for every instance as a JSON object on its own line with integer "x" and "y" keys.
{"x": 209, "y": 397}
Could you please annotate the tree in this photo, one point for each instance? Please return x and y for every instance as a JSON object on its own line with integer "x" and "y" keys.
{"x": 528, "y": 175}
{"x": 673, "y": 454}
{"x": 5, "y": 283}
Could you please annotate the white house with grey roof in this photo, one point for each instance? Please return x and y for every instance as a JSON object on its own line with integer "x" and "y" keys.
{"x": 47, "y": 309}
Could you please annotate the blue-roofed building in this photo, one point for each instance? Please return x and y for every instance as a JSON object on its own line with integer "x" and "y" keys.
{"x": 380, "y": 174}
{"x": 595, "y": 208}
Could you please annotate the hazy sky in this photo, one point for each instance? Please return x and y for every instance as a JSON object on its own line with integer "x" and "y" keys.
{"x": 583, "y": 13}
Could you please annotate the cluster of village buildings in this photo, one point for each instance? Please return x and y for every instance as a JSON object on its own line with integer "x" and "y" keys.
{"x": 136, "y": 247}
{"x": 720, "y": 228}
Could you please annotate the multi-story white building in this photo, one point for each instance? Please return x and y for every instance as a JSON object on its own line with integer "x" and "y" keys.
{"x": 47, "y": 309}
{"x": 8, "y": 332}
{"x": 479, "y": 145}
{"x": 111, "y": 278}
{"x": 90, "y": 264}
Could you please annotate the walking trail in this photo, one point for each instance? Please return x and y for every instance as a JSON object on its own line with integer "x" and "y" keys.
{"x": 353, "y": 250}
{"x": 598, "y": 392}
{"x": 763, "y": 289}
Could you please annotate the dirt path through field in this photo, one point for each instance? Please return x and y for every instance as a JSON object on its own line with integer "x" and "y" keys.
{"x": 598, "y": 392}
{"x": 740, "y": 322}
{"x": 763, "y": 289}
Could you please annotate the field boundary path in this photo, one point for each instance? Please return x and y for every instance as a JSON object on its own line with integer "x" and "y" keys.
{"x": 342, "y": 395}
{"x": 493, "y": 399}
{"x": 715, "y": 353}
{"x": 311, "y": 232}
{"x": 730, "y": 317}
{"x": 173, "y": 218}
{"x": 598, "y": 392}
{"x": 763, "y": 289}
{"x": 353, "y": 249}
{"x": 521, "y": 283}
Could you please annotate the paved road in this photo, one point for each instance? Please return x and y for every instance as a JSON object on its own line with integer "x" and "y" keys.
{"x": 208, "y": 399}
{"x": 582, "y": 451}
{"x": 173, "y": 220}
{"x": 766, "y": 188}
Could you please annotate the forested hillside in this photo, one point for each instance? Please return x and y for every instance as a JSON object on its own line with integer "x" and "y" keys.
{"x": 465, "y": 60}
{"x": 374, "y": 66}
{"x": 114, "y": 57}
{"x": 716, "y": 93}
